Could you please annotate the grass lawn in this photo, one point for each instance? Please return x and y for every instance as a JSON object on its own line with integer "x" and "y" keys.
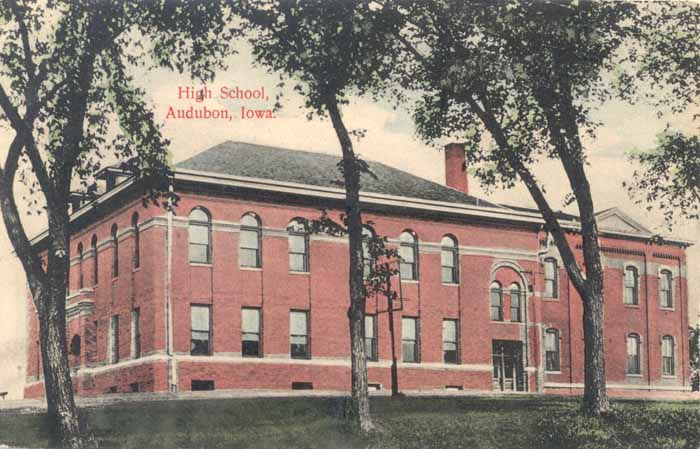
{"x": 410, "y": 422}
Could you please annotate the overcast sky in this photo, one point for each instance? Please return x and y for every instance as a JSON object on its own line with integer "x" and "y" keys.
{"x": 389, "y": 139}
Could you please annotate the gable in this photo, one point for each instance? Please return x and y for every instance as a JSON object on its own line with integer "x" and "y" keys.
{"x": 617, "y": 221}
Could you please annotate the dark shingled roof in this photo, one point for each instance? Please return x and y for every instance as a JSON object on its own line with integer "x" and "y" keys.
{"x": 317, "y": 169}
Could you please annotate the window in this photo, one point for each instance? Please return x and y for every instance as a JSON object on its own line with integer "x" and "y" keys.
{"x": 201, "y": 330}
{"x": 299, "y": 334}
{"x": 631, "y": 295}
{"x": 114, "y": 339}
{"x": 409, "y": 256}
{"x": 449, "y": 260}
{"x": 450, "y": 341}
{"x": 249, "y": 253}
{"x": 515, "y": 303}
{"x": 202, "y": 385}
{"x": 80, "y": 266}
{"x": 551, "y": 350}
{"x": 298, "y": 245}
{"x": 496, "y": 302}
{"x": 136, "y": 333}
{"x": 250, "y": 332}
{"x": 74, "y": 349}
{"x": 371, "y": 337}
{"x": 666, "y": 289}
{"x": 668, "y": 355}
{"x": 93, "y": 245}
{"x": 115, "y": 252}
{"x": 367, "y": 259}
{"x": 551, "y": 279}
{"x": 136, "y": 260}
{"x": 199, "y": 230}
{"x": 409, "y": 340}
{"x": 634, "y": 365}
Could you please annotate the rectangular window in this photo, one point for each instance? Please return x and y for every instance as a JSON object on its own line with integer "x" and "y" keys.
{"x": 299, "y": 334}
{"x": 407, "y": 266}
{"x": 114, "y": 339}
{"x": 496, "y": 303}
{"x": 371, "y": 337}
{"x": 199, "y": 243}
{"x": 201, "y": 330}
{"x": 448, "y": 266}
{"x": 666, "y": 289}
{"x": 202, "y": 385}
{"x": 410, "y": 340}
{"x": 450, "y": 341}
{"x": 298, "y": 253}
{"x": 249, "y": 248}
{"x": 634, "y": 365}
{"x": 251, "y": 332}
{"x": 136, "y": 333}
{"x": 668, "y": 364}
{"x": 630, "y": 295}
{"x": 515, "y": 309}
{"x": 551, "y": 279}
{"x": 551, "y": 348}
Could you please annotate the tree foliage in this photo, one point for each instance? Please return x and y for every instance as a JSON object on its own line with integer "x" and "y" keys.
{"x": 68, "y": 93}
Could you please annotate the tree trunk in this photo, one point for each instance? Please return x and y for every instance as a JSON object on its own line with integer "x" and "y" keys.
{"x": 62, "y": 411}
{"x": 359, "y": 407}
{"x": 595, "y": 398}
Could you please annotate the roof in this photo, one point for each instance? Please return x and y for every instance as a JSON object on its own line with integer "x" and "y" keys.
{"x": 317, "y": 169}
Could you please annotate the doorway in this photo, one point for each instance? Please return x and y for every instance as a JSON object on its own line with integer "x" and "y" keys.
{"x": 508, "y": 372}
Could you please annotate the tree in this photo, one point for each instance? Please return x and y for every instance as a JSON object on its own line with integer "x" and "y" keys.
{"x": 528, "y": 75}
{"x": 668, "y": 176}
{"x": 65, "y": 86}
{"x": 330, "y": 49}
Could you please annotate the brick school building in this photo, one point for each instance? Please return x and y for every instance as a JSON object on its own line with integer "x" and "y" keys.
{"x": 229, "y": 291}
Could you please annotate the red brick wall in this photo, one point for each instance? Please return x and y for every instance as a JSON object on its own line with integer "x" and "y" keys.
{"x": 323, "y": 292}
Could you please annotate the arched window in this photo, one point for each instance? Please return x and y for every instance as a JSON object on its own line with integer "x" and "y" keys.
{"x": 298, "y": 245}
{"x": 249, "y": 245}
{"x": 551, "y": 348}
{"x": 449, "y": 260}
{"x": 95, "y": 266}
{"x": 634, "y": 362}
{"x": 80, "y": 266}
{"x": 515, "y": 303}
{"x": 367, "y": 259}
{"x": 199, "y": 230}
{"x": 136, "y": 260}
{"x": 115, "y": 252}
{"x": 409, "y": 256}
{"x": 666, "y": 289}
{"x": 631, "y": 295}
{"x": 551, "y": 278}
{"x": 668, "y": 356}
{"x": 496, "y": 302}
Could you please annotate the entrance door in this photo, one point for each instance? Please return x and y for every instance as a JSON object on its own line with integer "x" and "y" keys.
{"x": 508, "y": 373}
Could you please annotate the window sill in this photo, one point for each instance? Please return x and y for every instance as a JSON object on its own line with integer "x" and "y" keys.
{"x": 137, "y": 269}
{"x": 250, "y": 268}
{"x": 409, "y": 281}
{"x": 300, "y": 358}
{"x": 299, "y": 273}
{"x": 668, "y": 376}
{"x": 450, "y": 284}
{"x": 200, "y": 264}
{"x": 413, "y": 363}
{"x": 200, "y": 355}
{"x": 668, "y": 309}
{"x": 635, "y": 376}
{"x": 552, "y": 372}
{"x": 632, "y": 306}
{"x": 550, "y": 299}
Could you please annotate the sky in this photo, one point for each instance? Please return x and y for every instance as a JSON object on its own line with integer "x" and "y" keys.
{"x": 390, "y": 139}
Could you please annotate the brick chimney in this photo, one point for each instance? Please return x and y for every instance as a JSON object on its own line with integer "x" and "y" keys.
{"x": 455, "y": 167}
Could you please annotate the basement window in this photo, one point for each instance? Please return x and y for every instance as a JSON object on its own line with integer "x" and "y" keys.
{"x": 374, "y": 386}
{"x": 454, "y": 387}
{"x": 135, "y": 388}
{"x": 302, "y": 386}
{"x": 202, "y": 385}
